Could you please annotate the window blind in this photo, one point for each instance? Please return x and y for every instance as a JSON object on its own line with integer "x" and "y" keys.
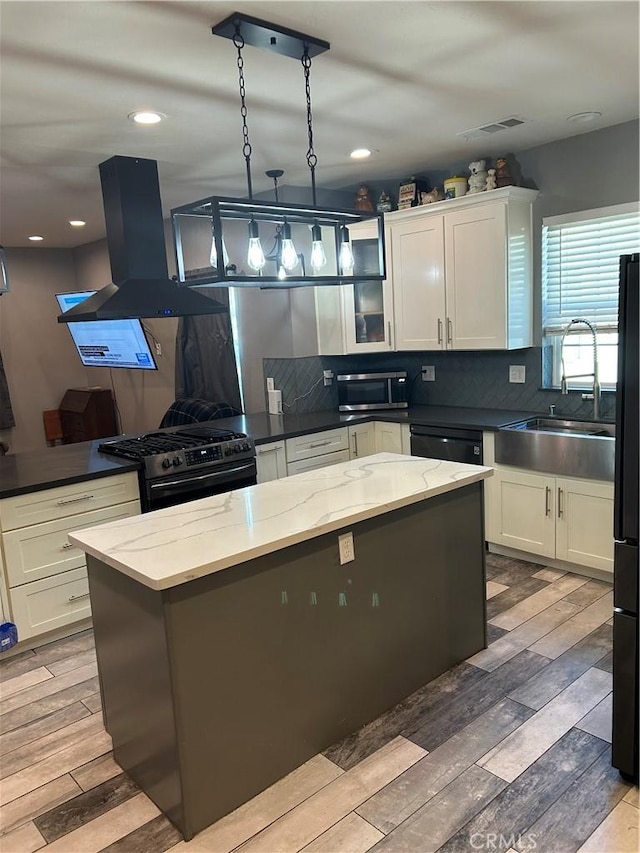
{"x": 580, "y": 265}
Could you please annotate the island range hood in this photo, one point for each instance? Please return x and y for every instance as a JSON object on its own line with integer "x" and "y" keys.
{"x": 141, "y": 286}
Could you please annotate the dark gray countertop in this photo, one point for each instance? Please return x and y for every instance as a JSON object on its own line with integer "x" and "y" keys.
{"x": 263, "y": 427}
{"x": 21, "y": 473}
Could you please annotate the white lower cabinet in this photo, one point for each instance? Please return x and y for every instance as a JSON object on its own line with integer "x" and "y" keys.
{"x": 584, "y": 523}
{"x": 317, "y": 450}
{"x": 559, "y": 518}
{"x": 315, "y": 462}
{"x": 362, "y": 440}
{"x": 388, "y": 437}
{"x": 45, "y": 576}
{"x": 271, "y": 461}
{"x": 50, "y": 603}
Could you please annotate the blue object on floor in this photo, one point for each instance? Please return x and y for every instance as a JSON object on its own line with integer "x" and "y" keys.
{"x": 8, "y": 636}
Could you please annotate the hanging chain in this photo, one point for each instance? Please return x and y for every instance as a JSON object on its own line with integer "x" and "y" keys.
{"x": 238, "y": 41}
{"x": 312, "y": 160}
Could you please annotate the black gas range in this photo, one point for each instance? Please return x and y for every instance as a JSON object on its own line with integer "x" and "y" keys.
{"x": 187, "y": 463}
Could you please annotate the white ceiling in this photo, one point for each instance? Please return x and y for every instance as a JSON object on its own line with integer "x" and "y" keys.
{"x": 402, "y": 78}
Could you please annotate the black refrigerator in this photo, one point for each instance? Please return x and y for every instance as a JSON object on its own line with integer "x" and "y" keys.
{"x": 625, "y": 574}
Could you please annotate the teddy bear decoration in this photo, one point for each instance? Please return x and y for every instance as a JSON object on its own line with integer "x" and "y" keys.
{"x": 435, "y": 194}
{"x": 491, "y": 180}
{"x": 363, "y": 199}
{"x": 478, "y": 176}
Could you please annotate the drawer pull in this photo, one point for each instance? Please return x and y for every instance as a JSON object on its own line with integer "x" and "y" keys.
{"x": 320, "y": 443}
{"x": 260, "y": 451}
{"x": 67, "y": 546}
{"x": 75, "y": 500}
{"x": 78, "y": 597}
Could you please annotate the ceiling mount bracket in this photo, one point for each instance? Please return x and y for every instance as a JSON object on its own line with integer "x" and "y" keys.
{"x": 269, "y": 36}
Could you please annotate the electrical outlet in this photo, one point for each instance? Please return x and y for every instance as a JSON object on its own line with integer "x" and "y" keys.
{"x": 428, "y": 373}
{"x": 271, "y": 385}
{"x": 517, "y": 373}
{"x": 158, "y": 348}
{"x": 327, "y": 376}
{"x": 346, "y": 548}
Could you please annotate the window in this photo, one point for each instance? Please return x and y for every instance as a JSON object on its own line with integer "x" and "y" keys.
{"x": 580, "y": 278}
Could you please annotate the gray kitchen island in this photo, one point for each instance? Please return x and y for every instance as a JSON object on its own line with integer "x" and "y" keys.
{"x": 233, "y": 645}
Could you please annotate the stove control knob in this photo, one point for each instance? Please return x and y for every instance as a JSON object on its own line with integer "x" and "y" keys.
{"x": 166, "y": 463}
{"x": 236, "y": 448}
{"x": 228, "y": 451}
{"x": 177, "y": 462}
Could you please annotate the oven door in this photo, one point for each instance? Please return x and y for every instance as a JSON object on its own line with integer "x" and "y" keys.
{"x": 181, "y": 488}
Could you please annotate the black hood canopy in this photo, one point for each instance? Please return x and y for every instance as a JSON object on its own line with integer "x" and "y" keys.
{"x": 141, "y": 285}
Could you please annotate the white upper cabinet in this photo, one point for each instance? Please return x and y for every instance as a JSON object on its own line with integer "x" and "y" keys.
{"x": 357, "y": 317}
{"x": 462, "y": 272}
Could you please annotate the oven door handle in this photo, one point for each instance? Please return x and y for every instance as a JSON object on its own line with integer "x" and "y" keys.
{"x": 165, "y": 484}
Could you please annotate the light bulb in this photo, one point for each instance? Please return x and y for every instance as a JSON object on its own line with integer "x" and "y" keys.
{"x": 318, "y": 256}
{"x": 255, "y": 255}
{"x": 346, "y": 255}
{"x": 282, "y": 273}
{"x": 213, "y": 257}
{"x": 288, "y": 254}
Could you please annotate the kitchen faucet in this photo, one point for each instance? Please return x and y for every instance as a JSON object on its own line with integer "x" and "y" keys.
{"x": 595, "y": 395}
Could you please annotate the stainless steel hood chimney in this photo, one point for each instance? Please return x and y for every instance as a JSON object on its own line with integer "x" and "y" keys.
{"x": 141, "y": 285}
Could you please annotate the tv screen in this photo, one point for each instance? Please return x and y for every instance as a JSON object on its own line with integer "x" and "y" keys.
{"x": 107, "y": 343}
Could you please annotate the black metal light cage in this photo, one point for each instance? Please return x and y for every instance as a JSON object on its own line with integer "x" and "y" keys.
{"x": 225, "y": 222}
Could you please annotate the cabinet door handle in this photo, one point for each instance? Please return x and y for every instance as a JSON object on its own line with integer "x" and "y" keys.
{"x": 449, "y": 331}
{"x": 66, "y": 546}
{"x": 439, "y": 330}
{"x": 560, "y": 508}
{"x": 355, "y": 443}
{"x": 78, "y": 597}
{"x": 547, "y": 501}
{"x": 75, "y": 500}
{"x": 389, "y": 333}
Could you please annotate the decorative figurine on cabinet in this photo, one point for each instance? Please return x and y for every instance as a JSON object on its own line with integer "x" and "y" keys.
{"x": 503, "y": 173}
{"x": 384, "y": 204}
{"x": 435, "y": 194}
{"x": 491, "y": 180}
{"x": 478, "y": 177}
{"x": 409, "y": 192}
{"x": 363, "y": 198}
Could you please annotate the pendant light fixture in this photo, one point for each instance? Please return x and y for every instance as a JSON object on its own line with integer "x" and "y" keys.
{"x": 312, "y": 244}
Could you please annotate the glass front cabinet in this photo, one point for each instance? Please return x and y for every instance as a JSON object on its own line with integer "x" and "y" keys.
{"x": 357, "y": 317}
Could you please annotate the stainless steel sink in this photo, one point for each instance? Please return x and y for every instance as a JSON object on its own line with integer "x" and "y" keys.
{"x": 570, "y": 448}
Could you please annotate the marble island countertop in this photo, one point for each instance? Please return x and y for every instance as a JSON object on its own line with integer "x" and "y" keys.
{"x": 175, "y": 545}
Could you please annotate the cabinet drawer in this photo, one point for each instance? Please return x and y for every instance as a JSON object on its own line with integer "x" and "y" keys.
{"x": 314, "y": 462}
{"x": 51, "y": 603}
{"x": 42, "y": 550}
{"x": 64, "y": 501}
{"x": 317, "y": 444}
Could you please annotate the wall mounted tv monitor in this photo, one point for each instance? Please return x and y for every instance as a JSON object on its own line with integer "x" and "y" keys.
{"x": 107, "y": 343}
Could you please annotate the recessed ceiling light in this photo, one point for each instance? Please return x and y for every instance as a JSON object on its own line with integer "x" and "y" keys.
{"x": 582, "y": 118}
{"x": 36, "y": 237}
{"x": 146, "y": 117}
{"x": 360, "y": 154}
{"x": 77, "y": 223}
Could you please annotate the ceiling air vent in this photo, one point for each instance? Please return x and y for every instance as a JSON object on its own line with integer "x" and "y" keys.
{"x": 492, "y": 127}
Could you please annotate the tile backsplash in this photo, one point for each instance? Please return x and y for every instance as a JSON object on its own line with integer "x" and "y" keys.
{"x": 470, "y": 379}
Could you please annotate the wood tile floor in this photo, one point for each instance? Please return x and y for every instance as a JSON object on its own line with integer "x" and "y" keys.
{"x": 508, "y": 751}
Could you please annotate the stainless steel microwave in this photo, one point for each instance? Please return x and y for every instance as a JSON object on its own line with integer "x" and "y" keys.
{"x": 358, "y": 392}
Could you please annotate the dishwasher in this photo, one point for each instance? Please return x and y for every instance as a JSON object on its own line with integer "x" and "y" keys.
{"x": 454, "y": 445}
